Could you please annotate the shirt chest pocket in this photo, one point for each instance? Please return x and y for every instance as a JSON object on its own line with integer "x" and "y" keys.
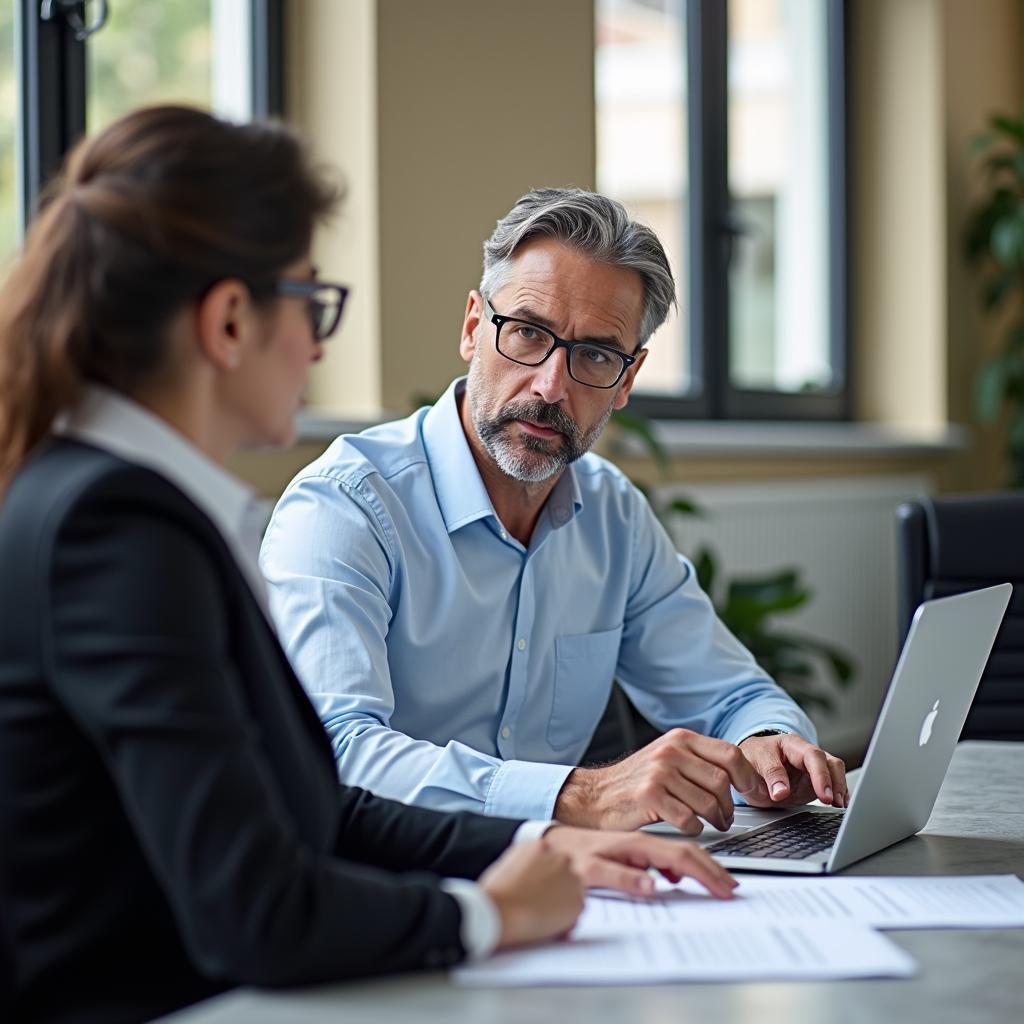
{"x": 584, "y": 671}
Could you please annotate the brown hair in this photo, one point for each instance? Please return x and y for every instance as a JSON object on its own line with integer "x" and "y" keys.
{"x": 148, "y": 215}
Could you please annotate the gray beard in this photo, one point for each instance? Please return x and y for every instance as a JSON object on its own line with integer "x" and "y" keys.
{"x": 532, "y": 459}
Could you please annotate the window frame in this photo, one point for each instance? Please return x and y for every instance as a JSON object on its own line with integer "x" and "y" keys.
{"x": 51, "y": 119}
{"x": 711, "y": 229}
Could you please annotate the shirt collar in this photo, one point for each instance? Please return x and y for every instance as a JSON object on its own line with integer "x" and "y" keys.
{"x": 108, "y": 420}
{"x": 461, "y": 493}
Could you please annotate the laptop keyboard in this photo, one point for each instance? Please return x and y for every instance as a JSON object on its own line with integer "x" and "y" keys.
{"x": 792, "y": 838}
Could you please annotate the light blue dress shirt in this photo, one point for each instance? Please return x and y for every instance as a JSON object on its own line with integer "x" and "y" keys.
{"x": 454, "y": 668}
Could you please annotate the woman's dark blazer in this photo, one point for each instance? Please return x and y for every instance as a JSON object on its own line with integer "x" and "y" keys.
{"x": 171, "y": 822}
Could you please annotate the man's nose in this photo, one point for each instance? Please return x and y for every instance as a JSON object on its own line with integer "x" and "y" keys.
{"x": 551, "y": 379}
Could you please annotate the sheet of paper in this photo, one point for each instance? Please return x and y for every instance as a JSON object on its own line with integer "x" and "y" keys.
{"x": 981, "y": 901}
{"x": 808, "y": 950}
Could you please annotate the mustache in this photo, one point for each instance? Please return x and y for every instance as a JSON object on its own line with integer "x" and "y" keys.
{"x": 541, "y": 413}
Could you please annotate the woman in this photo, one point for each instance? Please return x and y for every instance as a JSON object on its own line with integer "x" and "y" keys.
{"x": 170, "y": 819}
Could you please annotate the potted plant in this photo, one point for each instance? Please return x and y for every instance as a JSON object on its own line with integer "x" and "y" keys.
{"x": 994, "y": 243}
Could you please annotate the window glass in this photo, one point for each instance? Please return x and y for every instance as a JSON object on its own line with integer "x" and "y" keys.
{"x": 642, "y": 151}
{"x": 8, "y": 137}
{"x": 779, "y": 304}
{"x": 149, "y": 53}
{"x": 174, "y": 51}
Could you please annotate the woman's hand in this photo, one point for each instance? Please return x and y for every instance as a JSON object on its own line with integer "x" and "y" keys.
{"x": 537, "y": 893}
{"x": 620, "y": 860}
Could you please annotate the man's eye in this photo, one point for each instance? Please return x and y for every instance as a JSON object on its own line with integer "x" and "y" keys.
{"x": 524, "y": 332}
{"x": 595, "y": 356}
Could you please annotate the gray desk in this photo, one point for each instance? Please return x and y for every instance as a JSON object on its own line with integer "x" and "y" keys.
{"x": 964, "y": 976}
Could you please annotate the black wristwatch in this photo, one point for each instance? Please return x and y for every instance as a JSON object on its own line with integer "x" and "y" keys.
{"x": 766, "y": 732}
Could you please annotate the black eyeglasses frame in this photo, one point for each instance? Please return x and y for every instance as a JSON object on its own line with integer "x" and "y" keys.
{"x": 499, "y": 320}
{"x": 306, "y": 288}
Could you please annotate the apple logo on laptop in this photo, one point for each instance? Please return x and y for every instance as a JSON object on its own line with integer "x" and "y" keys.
{"x": 926, "y": 725}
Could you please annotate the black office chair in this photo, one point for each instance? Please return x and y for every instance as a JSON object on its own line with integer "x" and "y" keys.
{"x": 957, "y": 543}
{"x": 621, "y": 730}
{"x": 6, "y": 980}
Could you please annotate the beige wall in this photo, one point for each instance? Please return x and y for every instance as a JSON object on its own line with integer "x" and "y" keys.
{"x": 479, "y": 100}
{"x": 332, "y": 96}
{"x": 413, "y": 101}
{"x": 898, "y": 222}
{"x": 440, "y": 114}
{"x": 983, "y": 49}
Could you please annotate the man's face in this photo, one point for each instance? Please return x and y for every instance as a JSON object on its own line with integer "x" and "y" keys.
{"x": 534, "y": 420}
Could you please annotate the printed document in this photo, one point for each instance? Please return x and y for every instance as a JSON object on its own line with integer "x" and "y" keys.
{"x": 979, "y": 901}
{"x": 705, "y": 952}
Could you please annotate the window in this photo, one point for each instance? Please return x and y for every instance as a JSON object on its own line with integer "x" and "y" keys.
{"x": 8, "y": 137}
{"x": 721, "y": 124}
{"x": 148, "y": 53}
{"x": 84, "y": 64}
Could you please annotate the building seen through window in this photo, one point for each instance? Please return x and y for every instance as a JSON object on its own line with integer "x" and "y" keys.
{"x": 780, "y": 332}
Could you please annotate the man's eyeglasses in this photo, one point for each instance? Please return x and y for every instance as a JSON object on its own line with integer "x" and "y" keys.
{"x": 596, "y": 366}
{"x": 325, "y": 302}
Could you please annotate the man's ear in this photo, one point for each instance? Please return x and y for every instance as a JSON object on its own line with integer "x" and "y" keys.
{"x": 224, "y": 322}
{"x": 626, "y": 385}
{"x": 471, "y": 324}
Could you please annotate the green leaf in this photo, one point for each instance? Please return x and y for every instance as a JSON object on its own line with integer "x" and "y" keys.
{"x": 999, "y": 162}
{"x": 995, "y": 291}
{"x": 646, "y": 492}
{"x": 841, "y": 666}
{"x": 979, "y": 143}
{"x": 1012, "y": 127}
{"x": 685, "y": 507}
{"x": 1015, "y": 439}
{"x": 1008, "y": 242}
{"x": 989, "y": 389}
{"x": 704, "y": 563}
{"x": 1002, "y": 203}
{"x": 640, "y": 428}
{"x": 782, "y": 586}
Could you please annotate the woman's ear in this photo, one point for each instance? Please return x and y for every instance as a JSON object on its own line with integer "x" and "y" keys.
{"x": 224, "y": 321}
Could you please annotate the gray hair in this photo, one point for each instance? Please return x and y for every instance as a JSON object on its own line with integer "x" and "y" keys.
{"x": 596, "y": 226}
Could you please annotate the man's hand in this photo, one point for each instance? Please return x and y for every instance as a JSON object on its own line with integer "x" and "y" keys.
{"x": 537, "y": 892}
{"x": 676, "y": 778}
{"x": 619, "y": 860}
{"x": 794, "y": 772}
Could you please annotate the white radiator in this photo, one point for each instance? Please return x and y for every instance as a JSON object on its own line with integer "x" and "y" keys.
{"x": 841, "y": 534}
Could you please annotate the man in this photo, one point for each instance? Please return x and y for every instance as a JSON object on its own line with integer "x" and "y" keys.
{"x": 458, "y": 590}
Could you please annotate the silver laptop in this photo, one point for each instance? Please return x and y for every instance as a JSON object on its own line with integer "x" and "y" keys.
{"x": 930, "y": 694}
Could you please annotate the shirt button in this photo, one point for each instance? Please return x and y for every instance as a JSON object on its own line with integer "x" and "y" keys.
{"x": 504, "y": 535}
{"x": 521, "y": 644}
{"x": 506, "y": 732}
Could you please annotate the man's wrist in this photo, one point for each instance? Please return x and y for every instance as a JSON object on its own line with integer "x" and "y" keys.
{"x": 574, "y": 804}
